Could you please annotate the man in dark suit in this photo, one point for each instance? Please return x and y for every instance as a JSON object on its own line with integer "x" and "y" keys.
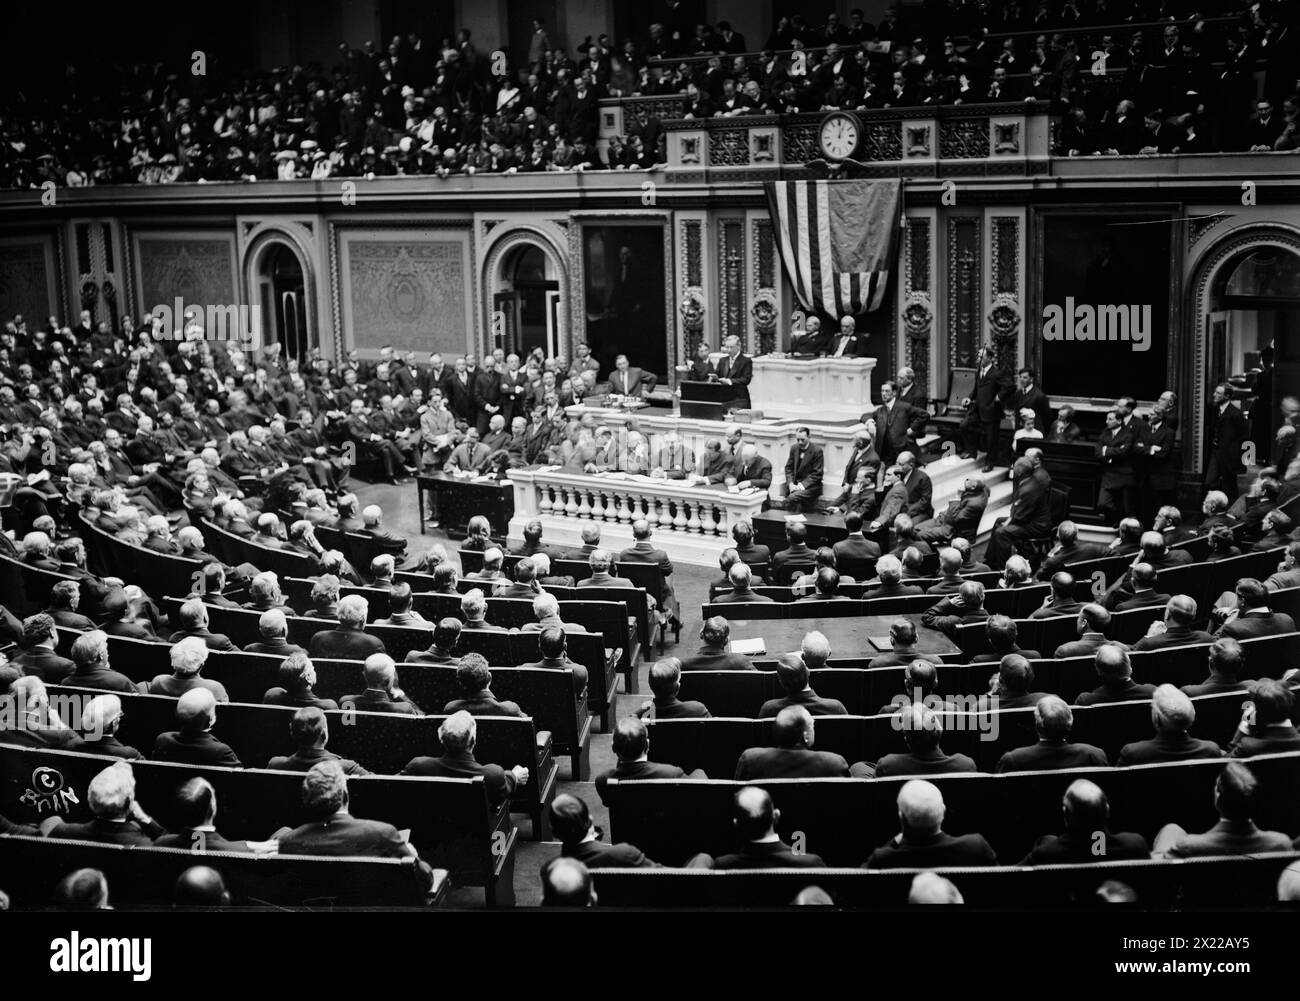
{"x": 714, "y": 654}
{"x": 1029, "y": 396}
{"x": 792, "y": 754}
{"x": 382, "y": 694}
{"x": 962, "y": 608}
{"x": 195, "y": 807}
{"x": 1228, "y": 430}
{"x": 792, "y": 676}
{"x": 474, "y": 685}
{"x": 1116, "y": 673}
{"x": 979, "y": 428}
{"x": 898, "y": 425}
{"x": 571, "y": 825}
{"x": 796, "y": 556}
{"x": 1087, "y": 837}
{"x": 1053, "y": 722}
{"x": 332, "y": 831}
{"x": 627, "y": 380}
{"x": 1068, "y": 550}
{"x": 1266, "y": 726}
{"x": 736, "y": 370}
{"x": 1061, "y": 601}
{"x": 755, "y": 819}
{"x": 665, "y": 683}
{"x": 922, "y": 733}
{"x": 922, "y": 842}
{"x": 193, "y": 618}
{"x": 1254, "y": 617}
{"x": 1030, "y": 517}
{"x": 1092, "y": 625}
{"x": 90, "y": 654}
{"x": 117, "y": 818}
{"x": 752, "y": 472}
{"x": 916, "y": 482}
{"x": 856, "y": 546}
{"x": 193, "y": 743}
{"x": 750, "y": 552}
{"x": 458, "y": 735}
{"x": 1176, "y": 627}
{"x": 309, "y": 731}
{"x": 902, "y": 642}
{"x": 1012, "y": 685}
{"x": 1235, "y": 797}
{"x": 1172, "y": 715}
{"x": 845, "y": 343}
{"x": 38, "y": 657}
{"x": 803, "y": 472}
{"x": 631, "y": 744}
{"x": 644, "y": 551}
{"x": 348, "y": 641}
{"x": 741, "y": 579}
{"x": 1118, "y": 452}
{"x": 1002, "y": 633}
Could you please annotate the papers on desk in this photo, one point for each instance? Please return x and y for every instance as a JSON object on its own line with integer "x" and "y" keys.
{"x": 795, "y": 519}
{"x": 882, "y": 643}
{"x": 749, "y": 648}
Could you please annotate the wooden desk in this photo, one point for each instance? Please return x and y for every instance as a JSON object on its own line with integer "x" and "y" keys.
{"x": 454, "y": 501}
{"x": 1072, "y": 464}
{"x": 860, "y": 636}
{"x": 823, "y": 529}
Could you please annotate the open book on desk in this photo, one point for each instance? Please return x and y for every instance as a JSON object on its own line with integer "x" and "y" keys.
{"x": 750, "y": 648}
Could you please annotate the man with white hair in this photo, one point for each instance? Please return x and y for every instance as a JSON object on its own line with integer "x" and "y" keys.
{"x": 675, "y": 460}
{"x": 30, "y": 720}
{"x": 273, "y": 627}
{"x": 474, "y": 607}
{"x": 1053, "y": 721}
{"x": 372, "y": 519}
{"x": 99, "y": 723}
{"x": 90, "y": 655}
{"x": 158, "y": 536}
{"x": 193, "y": 743}
{"x": 118, "y": 818}
{"x": 349, "y": 640}
{"x": 382, "y": 695}
{"x": 193, "y": 618}
{"x": 547, "y": 609}
{"x": 382, "y": 568}
{"x": 264, "y": 592}
{"x": 922, "y": 842}
{"x": 1172, "y": 715}
{"x": 493, "y": 559}
{"x": 458, "y": 735}
{"x": 931, "y": 888}
{"x": 187, "y": 658}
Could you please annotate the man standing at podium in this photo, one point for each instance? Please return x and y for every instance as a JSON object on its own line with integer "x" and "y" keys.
{"x": 803, "y": 472}
{"x": 736, "y": 370}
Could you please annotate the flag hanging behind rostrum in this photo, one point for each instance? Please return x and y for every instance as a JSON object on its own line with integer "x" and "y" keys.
{"x": 836, "y": 240}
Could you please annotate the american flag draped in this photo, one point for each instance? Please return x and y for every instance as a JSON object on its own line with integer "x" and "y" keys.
{"x": 836, "y": 240}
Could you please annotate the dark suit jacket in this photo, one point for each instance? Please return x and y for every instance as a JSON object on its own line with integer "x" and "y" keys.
{"x": 628, "y": 770}
{"x": 1167, "y": 747}
{"x": 1031, "y": 506}
{"x": 1250, "y": 624}
{"x": 1265, "y": 740}
{"x": 109, "y": 744}
{"x": 461, "y": 765}
{"x": 194, "y": 749}
{"x": 344, "y": 644}
{"x": 892, "y": 428}
{"x": 991, "y": 388}
{"x": 214, "y": 641}
{"x": 374, "y": 701}
{"x": 1061, "y": 849}
{"x": 919, "y": 493}
{"x": 789, "y": 763}
{"x": 1231, "y": 837}
{"x": 279, "y": 646}
{"x": 1045, "y": 756}
{"x": 104, "y": 679}
{"x": 932, "y": 762}
{"x": 127, "y": 832}
{"x": 806, "y": 468}
{"x": 45, "y": 664}
{"x": 200, "y": 841}
{"x": 769, "y": 855}
{"x": 1076, "y": 553}
{"x": 306, "y": 758}
{"x": 1125, "y": 691}
{"x": 758, "y": 473}
{"x": 595, "y": 855}
{"x": 715, "y": 659}
{"x": 940, "y": 851}
{"x": 343, "y": 835}
{"x": 677, "y": 709}
{"x": 740, "y": 372}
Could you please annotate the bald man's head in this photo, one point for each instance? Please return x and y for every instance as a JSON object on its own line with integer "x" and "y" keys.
{"x": 200, "y": 886}
{"x": 753, "y": 814}
{"x": 793, "y": 727}
{"x": 566, "y": 883}
{"x": 920, "y": 809}
{"x": 1086, "y": 808}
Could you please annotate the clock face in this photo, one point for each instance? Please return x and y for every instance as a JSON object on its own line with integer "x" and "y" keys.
{"x": 839, "y": 136}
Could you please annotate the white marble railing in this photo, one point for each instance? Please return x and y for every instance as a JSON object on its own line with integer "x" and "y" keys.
{"x": 812, "y": 389}
{"x": 690, "y": 521}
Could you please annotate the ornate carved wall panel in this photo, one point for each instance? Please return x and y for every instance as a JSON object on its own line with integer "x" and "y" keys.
{"x": 731, "y": 283}
{"x": 415, "y": 294}
{"x": 201, "y": 270}
{"x": 27, "y": 278}
{"x": 918, "y": 297}
{"x": 1005, "y": 319}
{"x": 964, "y": 300}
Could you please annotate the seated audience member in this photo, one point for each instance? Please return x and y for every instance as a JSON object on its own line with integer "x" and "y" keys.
{"x": 855, "y": 546}
{"x": 90, "y": 655}
{"x": 446, "y": 634}
{"x": 1252, "y": 616}
{"x": 1067, "y": 551}
{"x": 532, "y": 543}
{"x": 931, "y": 888}
{"x": 1092, "y": 624}
{"x": 1288, "y": 571}
{"x": 902, "y": 641}
{"x": 99, "y": 722}
{"x": 193, "y": 617}
{"x": 1222, "y": 544}
{"x": 546, "y": 607}
{"x": 823, "y": 558}
{"x": 1128, "y": 541}
{"x": 913, "y": 564}
{"x": 753, "y": 553}
{"x": 792, "y": 676}
{"x": 566, "y": 883}
{"x": 1011, "y": 687}
{"x": 382, "y": 569}
{"x": 1016, "y": 572}
{"x": 579, "y": 839}
{"x": 920, "y": 687}
{"x": 741, "y": 579}
{"x": 493, "y": 560}
{"x": 372, "y": 524}
{"x": 544, "y": 576}
{"x": 553, "y": 645}
{"x": 331, "y": 830}
{"x": 65, "y": 598}
{"x": 444, "y": 579}
{"x": 969, "y": 564}
{"x": 382, "y": 694}
{"x": 962, "y": 608}
{"x": 796, "y": 558}
{"x": 187, "y": 659}
{"x": 590, "y": 543}
{"x": 525, "y": 583}
{"x": 905, "y": 538}
{"x": 309, "y": 731}
{"x": 348, "y": 640}
{"x": 1053, "y": 722}
{"x": 273, "y": 627}
{"x": 922, "y": 733}
{"x": 83, "y": 890}
{"x": 714, "y": 653}
{"x": 474, "y": 607}
{"x": 458, "y": 735}
{"x": 1142, "y": 590}
{"x": 815, "y": 650}
{"x": 631, "y": 745}
{"x": 792, "y": 755}
{"x": 474, "y": 683}
{"x": 1061, "y": 600}
{"x": 201, "y": 886}
{"x": 1235, "y": 795}
{"x": 1266, "y": 726}
{"x": 755, "y": 818}
{"x": 1277, "y": 527}
{"x": 325, "y": 597}
{"x": 665, "y": 682}
{"x": 890, "y": 571}
{"x": 194, "y": 807}
{"x": 1175, "y": 629}
{"x": 1087, "y": 837}
{"x": 400, "y": 611}
{"x": 296, "y": 676}
{"x": 1172, "y": 715}
{"x": 28, "y": 720}
{"x": 264, "y": 592}
{"x": 1002, "y": 633}
{"x": 117, "y": 818}
{"x": 1116, "y": 674}
{"x": 826, "y": 585}
{"x": 1227, "y": 661}
{"x": 921, "y": 842}
{"x": 950, "y": 579}
{"x": 193, "y": 743}
{"x": 38, "y": 658}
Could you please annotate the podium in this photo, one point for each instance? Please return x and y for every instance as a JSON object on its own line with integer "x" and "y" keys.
{"x": 707, "y": 401}
{"x": 812, "y": 389}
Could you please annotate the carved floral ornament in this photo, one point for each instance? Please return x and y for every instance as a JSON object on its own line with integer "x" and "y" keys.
{"x": 918, "y": 315}
{"x": 692, "y": 308}
{"x": 764, "y": 309}
{"x": 1004, "y": 317}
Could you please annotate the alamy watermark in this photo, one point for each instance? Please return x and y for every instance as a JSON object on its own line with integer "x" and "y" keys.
{"x": 1086, "y": 322}
{"x": 240, "y": 324}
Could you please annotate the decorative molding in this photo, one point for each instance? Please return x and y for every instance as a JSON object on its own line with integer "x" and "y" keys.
{"x": 964, "y": 313}
{"x": 1198, "y": 226}
{"x": 1004, "y": 253}
{"x": 692, "y": 308}
{"x": 762, "y": 145}
{"x": 917, "y": 258}
{"x": 731, "y": 285}
{"x": 692, "y": 236}
{"x": 882, "y": 141}
{"x": 964, "y": 139}
{"x": 1006, "y": 138}
{"x": 524, "y": 234}
{"x": 764, "y": 253}
{"x": 689, "y": 149}
{"x": 728, "y": 147}
{"x": 920, "y": 140}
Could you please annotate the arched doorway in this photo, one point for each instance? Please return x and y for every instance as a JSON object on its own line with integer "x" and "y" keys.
{"x": 526, "y": 305}
{"x": 282, "y": 293}
{"x": 1254, "y": 335}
